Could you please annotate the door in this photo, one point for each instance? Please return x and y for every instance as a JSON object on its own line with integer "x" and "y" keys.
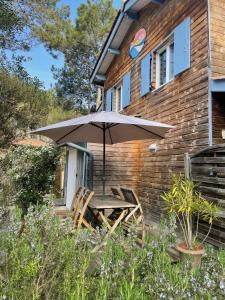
{"x": 80, "y": 169}
{"x": 76, "y": 174}
{"x": 71, "y": 177}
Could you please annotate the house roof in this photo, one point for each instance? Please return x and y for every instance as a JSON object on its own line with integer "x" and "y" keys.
{"x": 124, "y": 19}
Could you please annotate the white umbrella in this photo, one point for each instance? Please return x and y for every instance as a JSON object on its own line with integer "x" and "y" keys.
{"x": 104, "y": 127}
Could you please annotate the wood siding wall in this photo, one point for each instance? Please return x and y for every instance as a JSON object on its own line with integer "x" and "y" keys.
{"x": 217, "y": 29}
{"x": 183, "y": 102}
{"x": 122, "y": 165}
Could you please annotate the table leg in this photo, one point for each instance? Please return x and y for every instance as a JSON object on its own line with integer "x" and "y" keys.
{"x": 111, "y": 230}
{"x": 105, "y": 221}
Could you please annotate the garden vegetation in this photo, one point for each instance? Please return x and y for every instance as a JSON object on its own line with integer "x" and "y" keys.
{"x": 49, "y": 261}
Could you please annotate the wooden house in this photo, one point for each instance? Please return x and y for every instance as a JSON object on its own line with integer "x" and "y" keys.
{"x": 163, "y": 60}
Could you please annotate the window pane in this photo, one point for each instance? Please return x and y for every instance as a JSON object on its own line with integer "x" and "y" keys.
{"x": 121, "y": 91}
{"x": 172, "y": 61}
{"x": 119, "y": 98}
{"x": 162, "y": 58}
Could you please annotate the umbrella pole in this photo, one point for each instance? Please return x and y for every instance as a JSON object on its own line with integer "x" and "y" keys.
{"x": 103, "y": 173}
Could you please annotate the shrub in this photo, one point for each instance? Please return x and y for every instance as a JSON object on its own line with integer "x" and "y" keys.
{"x": 48, "y": 262}
{"x": 185, "y": 201}
{"x": 27, "y": 174}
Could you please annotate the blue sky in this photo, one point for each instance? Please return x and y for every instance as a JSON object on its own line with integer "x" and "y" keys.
{"x": 41, "y": 61}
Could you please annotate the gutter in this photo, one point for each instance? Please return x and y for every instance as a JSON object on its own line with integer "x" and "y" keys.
{"x": 209, "y": 77}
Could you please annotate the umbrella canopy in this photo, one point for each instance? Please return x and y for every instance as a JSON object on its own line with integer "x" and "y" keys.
{"x": 104, "y": 127}
{"x": 118, "y": 128}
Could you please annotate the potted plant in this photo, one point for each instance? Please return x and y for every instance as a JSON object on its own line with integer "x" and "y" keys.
{"x": 186, "y": 202}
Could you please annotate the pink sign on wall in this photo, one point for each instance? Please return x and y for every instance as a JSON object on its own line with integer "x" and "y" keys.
{"x": 138, "y": 43}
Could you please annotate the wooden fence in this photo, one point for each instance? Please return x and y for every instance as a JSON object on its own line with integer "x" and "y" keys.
{"x": 207, "y": 168}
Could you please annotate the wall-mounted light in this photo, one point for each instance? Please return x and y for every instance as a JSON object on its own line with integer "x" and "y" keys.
{"x": 153, "y": 148}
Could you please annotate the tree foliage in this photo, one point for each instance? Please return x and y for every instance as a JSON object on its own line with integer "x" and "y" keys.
{"x": 27, "y": 174}
{"x": 56, "y": 112}
{"x": 80, "y": 44}
{"x": 10, "y": 25}
{"x": 20, "y": 21}
{"x": 23, "y": 102}
{"x": 93, "y": 22}
{"x": 73, "y": 87}
{"x": 24, "y": 22}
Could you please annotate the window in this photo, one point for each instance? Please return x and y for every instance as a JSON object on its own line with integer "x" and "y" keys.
{"x": 162, "y": 67}
{"x": 165, "y": 63}
{"x": 109, "y": 100}
{"x": 171, "y": 51}
{"x": 119, "y": 97}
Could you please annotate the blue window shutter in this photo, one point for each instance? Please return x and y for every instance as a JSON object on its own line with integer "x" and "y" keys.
{"x": 109, "y": 100}
{"x": 112, "y": 97}
{"x": 126, "y": 90}
{"x": 182, "y": 43}
{"x": 145, "y": 74}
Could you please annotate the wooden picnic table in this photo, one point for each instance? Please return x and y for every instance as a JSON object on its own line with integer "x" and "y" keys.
{"x": 111, "y": 210}
{"x": 99, "y": 204}
{"x": 109, "y": 202}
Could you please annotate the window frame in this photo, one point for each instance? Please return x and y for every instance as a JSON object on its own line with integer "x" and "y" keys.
{"x": 166, "y": 47}
{"x": 116, "y": 88}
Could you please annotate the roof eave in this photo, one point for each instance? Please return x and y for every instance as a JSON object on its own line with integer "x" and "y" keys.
{"x": 106, "y": 45}
{"x": 129, "y": 11}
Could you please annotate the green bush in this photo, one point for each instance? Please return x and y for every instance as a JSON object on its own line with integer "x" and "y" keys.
{"x": 27, "y": 174}
{"x": 47, "y": 261}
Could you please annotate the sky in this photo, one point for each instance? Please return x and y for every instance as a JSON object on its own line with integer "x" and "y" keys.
{"x": 41, "y": 61}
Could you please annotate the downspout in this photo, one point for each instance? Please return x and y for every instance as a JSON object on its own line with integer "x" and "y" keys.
{"x": 209, "y": 76}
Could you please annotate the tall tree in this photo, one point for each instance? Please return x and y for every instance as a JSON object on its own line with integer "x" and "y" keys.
{"x": 23, "y": 102}
{"x": 10, "y": 26}
{"x": 80, "y": 44}
{"x": 20, "y": 21}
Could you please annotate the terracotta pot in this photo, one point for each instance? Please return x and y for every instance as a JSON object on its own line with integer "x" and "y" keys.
{"x": 196, "y": 254}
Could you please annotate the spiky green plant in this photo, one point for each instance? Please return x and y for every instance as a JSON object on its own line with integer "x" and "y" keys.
{"x": 185, "y": 201}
